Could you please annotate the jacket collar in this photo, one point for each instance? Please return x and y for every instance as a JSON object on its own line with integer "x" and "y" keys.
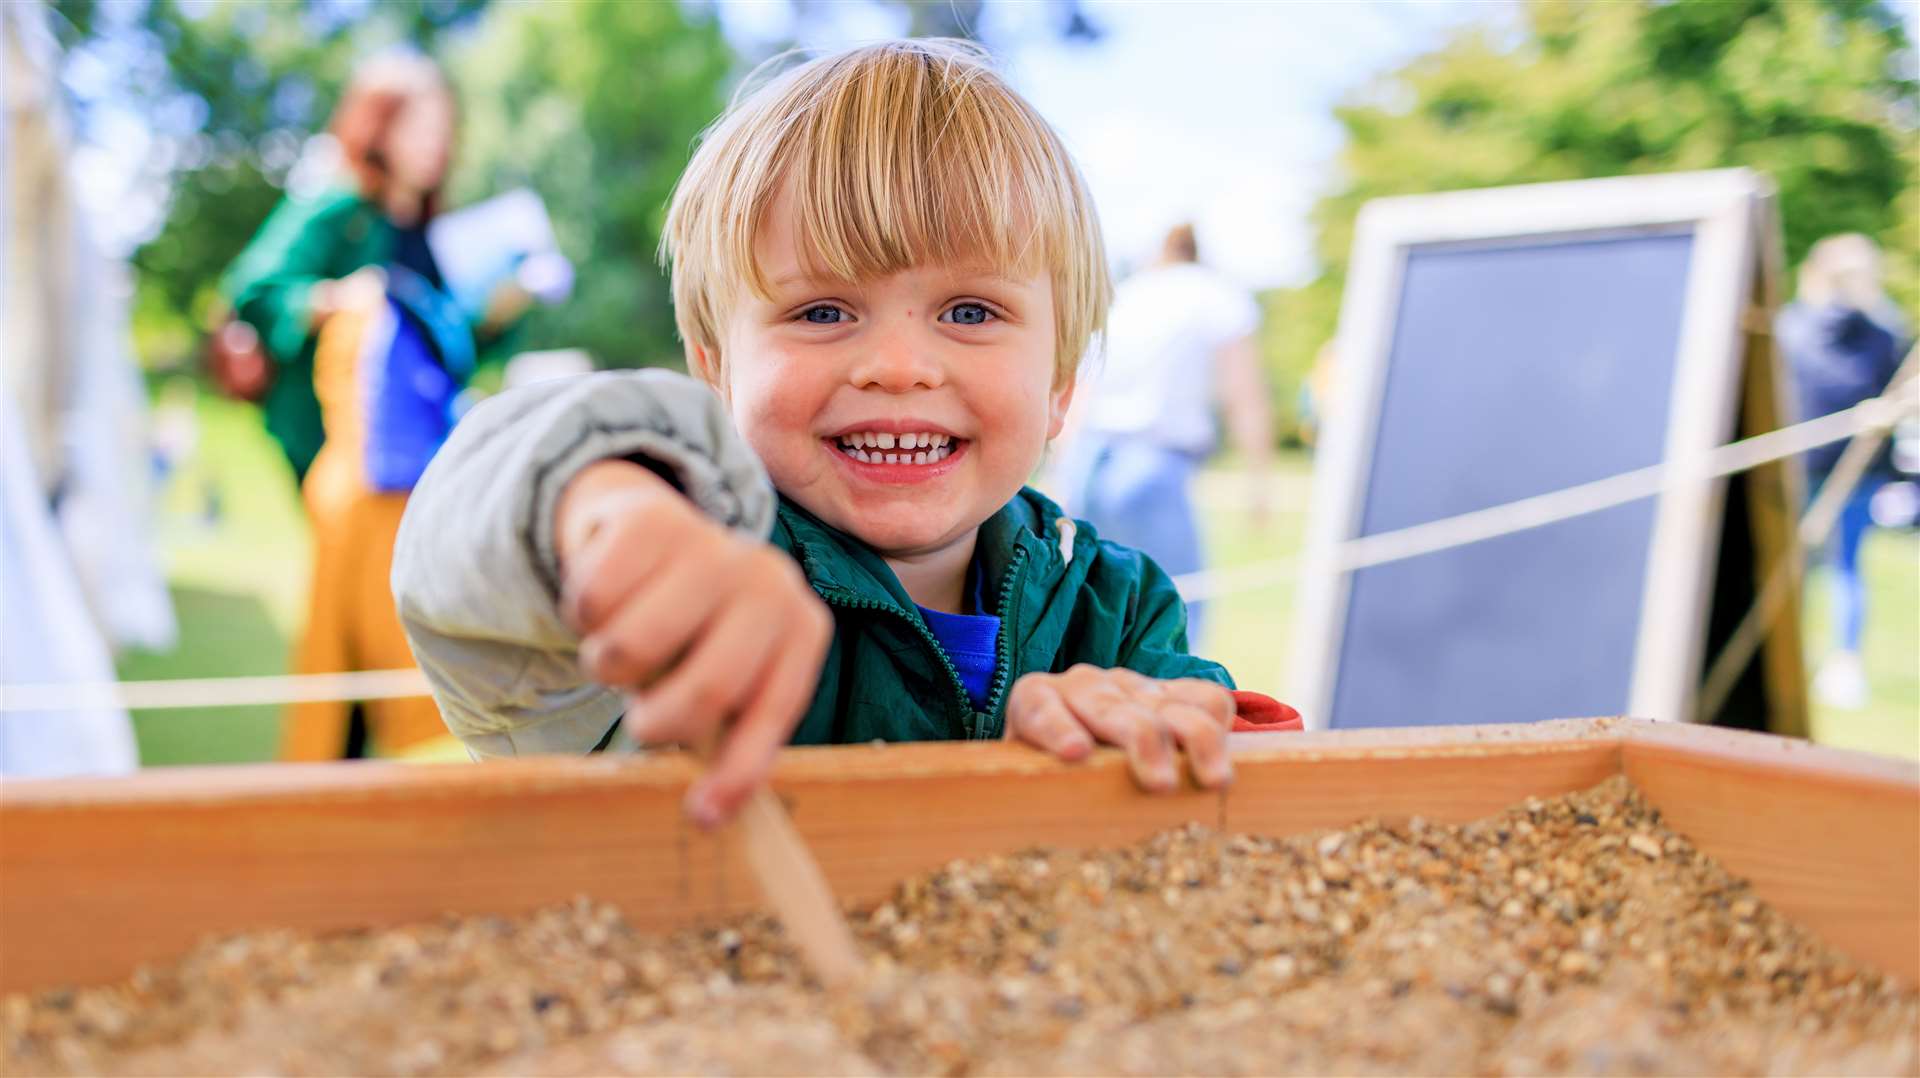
{"x": 838, "y": 564}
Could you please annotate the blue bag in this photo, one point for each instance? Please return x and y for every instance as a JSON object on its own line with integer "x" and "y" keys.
{"x": 411, "y": 378}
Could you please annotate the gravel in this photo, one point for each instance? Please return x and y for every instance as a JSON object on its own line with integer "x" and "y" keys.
{"x": 1566, "y": 935}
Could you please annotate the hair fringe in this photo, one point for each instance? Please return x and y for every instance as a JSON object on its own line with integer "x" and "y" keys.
{"x": 897, "y": 155}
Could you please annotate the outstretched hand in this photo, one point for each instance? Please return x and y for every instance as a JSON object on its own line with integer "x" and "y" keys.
{"x": 1156, "y": 722}
{"x": 716, "y": 638}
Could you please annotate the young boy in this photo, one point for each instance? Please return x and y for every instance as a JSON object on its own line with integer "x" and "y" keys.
{"x": 885, "y": 270}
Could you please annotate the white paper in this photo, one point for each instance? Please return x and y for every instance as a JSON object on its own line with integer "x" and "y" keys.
{"x": 479, "y": 246}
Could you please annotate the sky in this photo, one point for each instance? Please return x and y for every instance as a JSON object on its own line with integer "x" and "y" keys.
{"x": 1215, "y": 112}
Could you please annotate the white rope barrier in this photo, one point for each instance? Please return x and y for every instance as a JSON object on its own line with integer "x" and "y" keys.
{"x": 1525, "y": 514}
{"x": 1814, "y": 526}
{"x": 1213, "y": 583}
{"x": 176, "y": 693}
{"x": 1541, "y": 510}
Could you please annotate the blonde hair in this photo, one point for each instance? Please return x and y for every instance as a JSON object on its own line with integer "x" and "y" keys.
{"x": 1843, "y": 270}
{"x": 903, "y": 154}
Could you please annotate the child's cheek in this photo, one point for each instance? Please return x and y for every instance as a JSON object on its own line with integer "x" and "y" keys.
{"x": 776, "y": 419}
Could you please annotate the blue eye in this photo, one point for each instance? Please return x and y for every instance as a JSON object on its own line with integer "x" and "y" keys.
{"x": 966, "y": 314}
{"x": 824, "y": 314}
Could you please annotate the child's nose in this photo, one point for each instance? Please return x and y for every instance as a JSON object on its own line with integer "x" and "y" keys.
{"x": 898, "y": 364}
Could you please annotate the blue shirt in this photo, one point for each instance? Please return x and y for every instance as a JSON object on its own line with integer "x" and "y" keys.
{"x": 971, "y": 642}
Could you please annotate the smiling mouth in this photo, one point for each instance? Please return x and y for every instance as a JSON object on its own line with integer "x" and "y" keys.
{"x": 875, "y": 447}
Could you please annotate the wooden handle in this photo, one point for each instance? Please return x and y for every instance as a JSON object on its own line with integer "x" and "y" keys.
{"x": 796, "y": 890}
{"x": 791, "y": 882}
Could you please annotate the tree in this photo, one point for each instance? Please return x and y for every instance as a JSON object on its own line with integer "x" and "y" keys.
{"x": 1815, "y": 94}
{"x": 595, "y": 106}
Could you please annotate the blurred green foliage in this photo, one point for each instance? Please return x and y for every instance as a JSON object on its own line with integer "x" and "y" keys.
{"x": 596, "y": 106}
{"x": 1818, "y": 94}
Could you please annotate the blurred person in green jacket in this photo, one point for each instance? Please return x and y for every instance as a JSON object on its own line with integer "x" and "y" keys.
{"x": 323, "y": 252}
{"x": 364, "y": 350}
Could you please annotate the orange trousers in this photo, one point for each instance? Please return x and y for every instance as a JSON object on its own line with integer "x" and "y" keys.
{"x": 351, "y": 620}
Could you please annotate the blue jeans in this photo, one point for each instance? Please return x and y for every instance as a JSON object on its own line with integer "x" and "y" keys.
{"x": 1843, "y": 555}
{"x": 1135, "y": 494}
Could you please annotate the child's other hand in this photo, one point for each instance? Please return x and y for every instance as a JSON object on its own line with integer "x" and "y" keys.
{"x": 717, "y": 638}
{"x": 1066, "y": 714}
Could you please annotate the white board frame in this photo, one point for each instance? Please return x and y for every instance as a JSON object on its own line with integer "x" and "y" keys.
{"x": 1721, "y": 207}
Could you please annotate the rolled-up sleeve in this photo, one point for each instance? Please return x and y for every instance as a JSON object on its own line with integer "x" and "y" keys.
{"x": 475, "y": 572}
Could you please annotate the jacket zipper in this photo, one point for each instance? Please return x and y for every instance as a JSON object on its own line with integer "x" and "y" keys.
{"x": 953, "y": 675}
{"x": 1003, "y": 661}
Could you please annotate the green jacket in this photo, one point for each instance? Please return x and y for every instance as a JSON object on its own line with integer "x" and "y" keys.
{"x": 474, "y": 578}
{"x": 886, "y": 679}
{"x": 304, "y": 241}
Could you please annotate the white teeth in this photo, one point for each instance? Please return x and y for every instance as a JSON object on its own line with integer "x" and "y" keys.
{"x": 865, "y": 447}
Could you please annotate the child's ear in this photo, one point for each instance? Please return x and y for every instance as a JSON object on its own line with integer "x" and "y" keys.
{"x": 704, "y": 364}
{"x": 1058, "y": 403}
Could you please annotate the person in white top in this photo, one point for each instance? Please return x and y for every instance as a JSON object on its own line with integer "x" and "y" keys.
{"x": 1179, "y": 345}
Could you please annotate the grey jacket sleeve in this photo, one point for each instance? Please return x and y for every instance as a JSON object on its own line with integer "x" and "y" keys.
{"x": 475, "y": 574}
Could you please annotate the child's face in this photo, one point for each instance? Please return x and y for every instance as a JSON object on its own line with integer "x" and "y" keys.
{"x": 962, "y": 354}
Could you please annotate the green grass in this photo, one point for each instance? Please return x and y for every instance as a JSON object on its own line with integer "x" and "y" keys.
{"x": 1891, "y": 644}
{"x": 239, "y": 589}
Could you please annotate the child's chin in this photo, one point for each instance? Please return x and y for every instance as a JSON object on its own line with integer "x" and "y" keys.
{"x": 906, "y": 536}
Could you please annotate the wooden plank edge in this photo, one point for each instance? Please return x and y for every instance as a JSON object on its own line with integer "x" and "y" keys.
{"x": 1830, "y": 838}
{"x": 348, "y": 781}
{"x": 1783, "y": 756}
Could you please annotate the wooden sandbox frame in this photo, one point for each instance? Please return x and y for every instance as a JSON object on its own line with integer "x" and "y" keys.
{"x": 100, "y": 876}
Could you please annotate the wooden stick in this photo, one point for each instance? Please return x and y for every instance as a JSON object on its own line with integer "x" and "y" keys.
{"x": 796, "y": 890}
{"x": 791, "y": 882}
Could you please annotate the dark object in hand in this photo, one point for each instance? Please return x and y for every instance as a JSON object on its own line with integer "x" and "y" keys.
{"x": 237, "y": 363}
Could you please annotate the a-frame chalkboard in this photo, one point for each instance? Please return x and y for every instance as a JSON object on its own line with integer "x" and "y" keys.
{"x": 1503, "y": 344}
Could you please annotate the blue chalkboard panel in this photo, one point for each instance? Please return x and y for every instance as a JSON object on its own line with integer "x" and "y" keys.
{"x": 1516, "y": 369}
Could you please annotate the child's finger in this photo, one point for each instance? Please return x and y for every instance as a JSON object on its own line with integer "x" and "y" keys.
{"x": 1115, "y": 718}
{"x": 1203, "y": 739}
{"x": 1037, "y": 715}
{"x": 714, "y": 678}
{"x": 747, "y": 752}
{"x": 1210, "y": 697}
{"x": 602, "y": 574}
{"x": 659, "y": 621}
{"x": 1135, "y": 683}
